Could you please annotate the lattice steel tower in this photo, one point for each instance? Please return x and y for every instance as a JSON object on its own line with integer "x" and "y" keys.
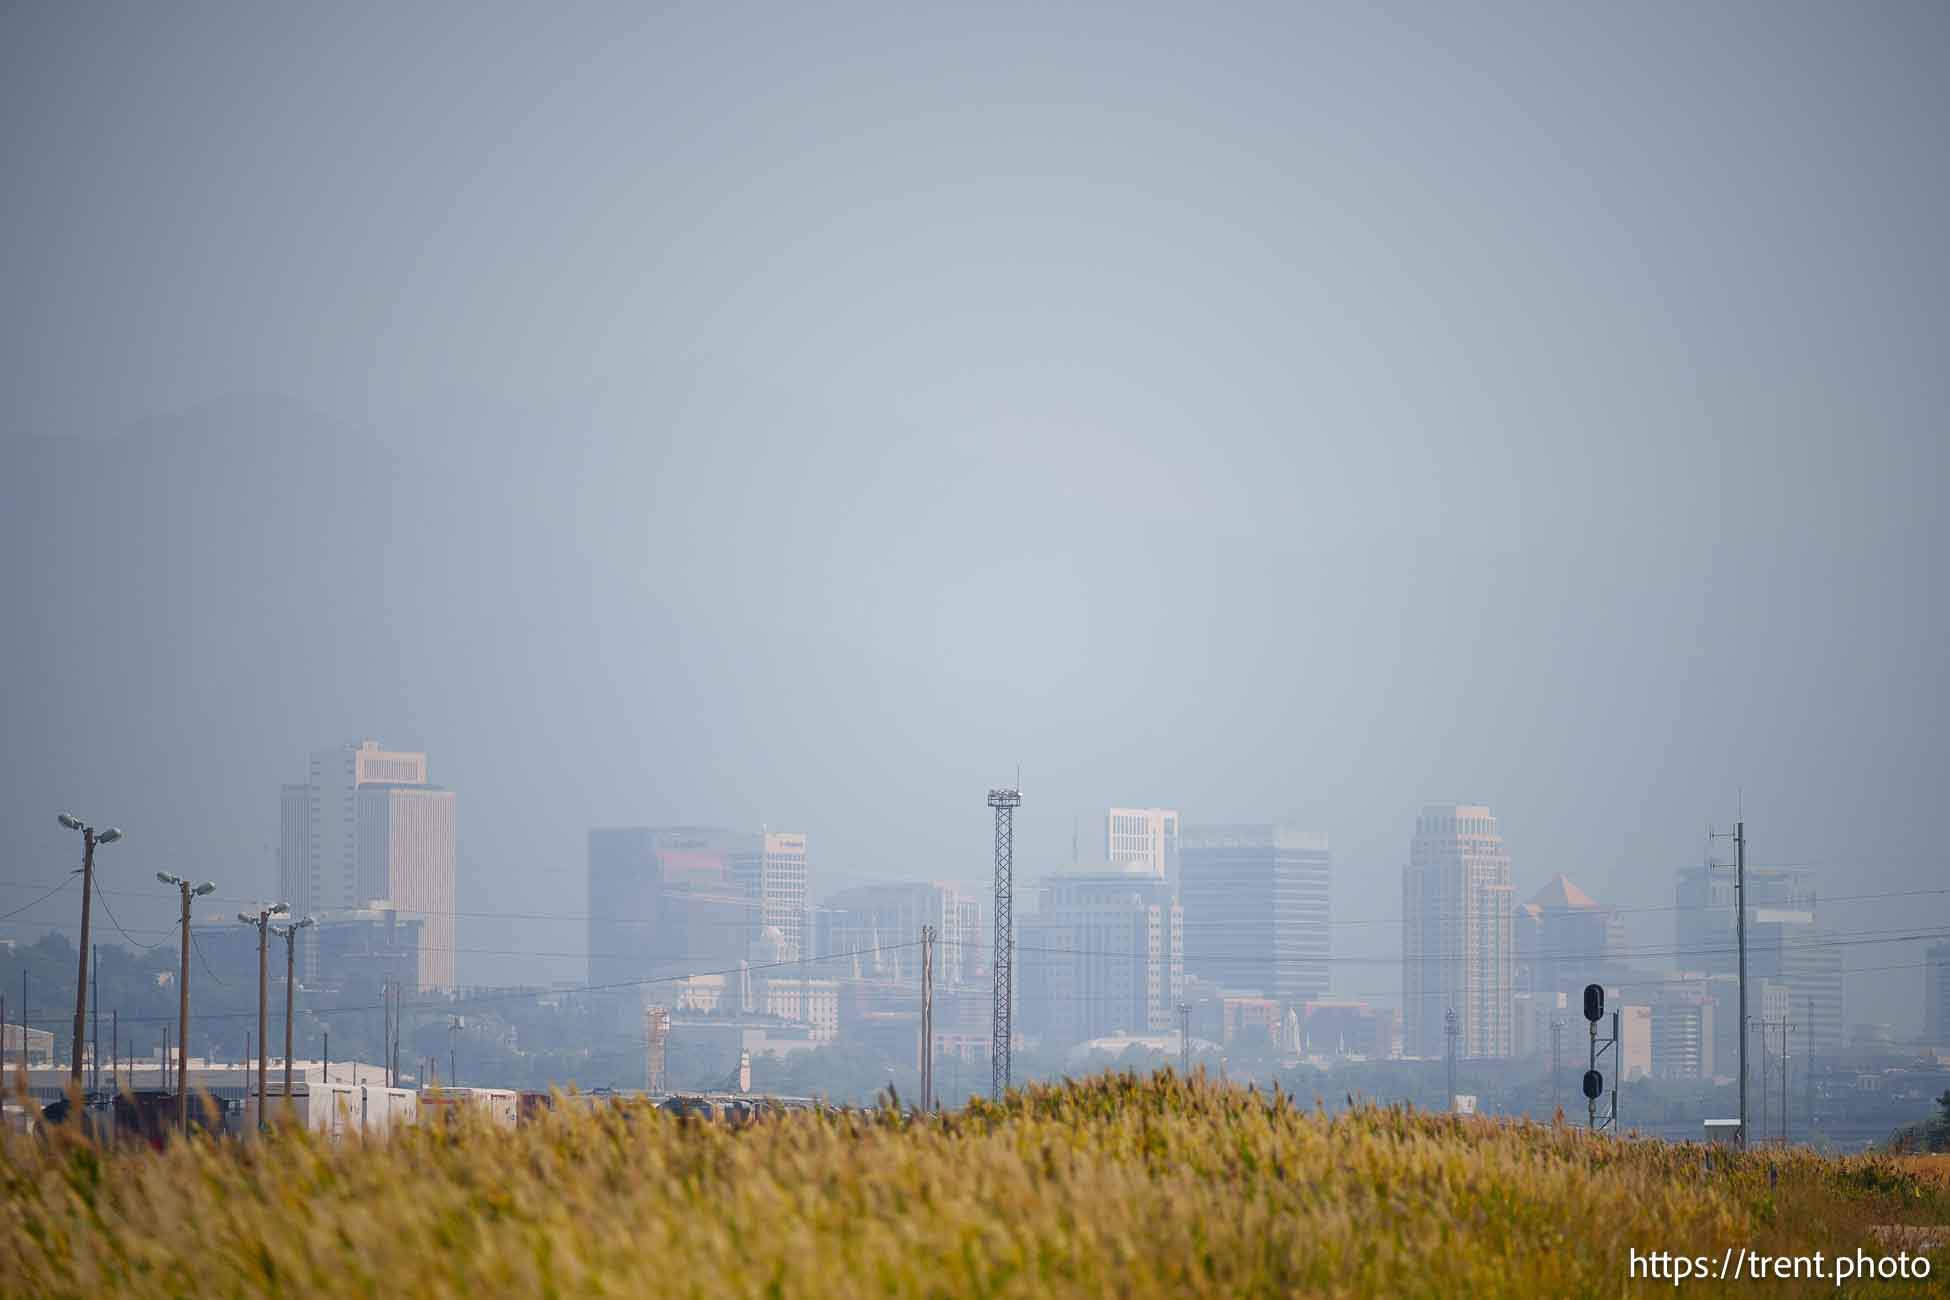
{"x": 1005, "y": 801}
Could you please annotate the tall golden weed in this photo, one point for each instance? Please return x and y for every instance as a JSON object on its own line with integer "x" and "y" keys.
{"x": 1114, "y": 1186}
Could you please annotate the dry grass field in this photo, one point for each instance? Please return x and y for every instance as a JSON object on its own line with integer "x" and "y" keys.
{"x": 1113, "y": 1186}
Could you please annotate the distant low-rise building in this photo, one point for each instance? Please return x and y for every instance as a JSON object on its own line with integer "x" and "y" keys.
{"x": 1250, "y": 1021}
{"x": 1684, "y": 1034}
{"x": 377, "y": 942}
{"x": 1344, "y": 1027}
{"x": 1634, "y": 1042}
{"x": 39, "y": 1044}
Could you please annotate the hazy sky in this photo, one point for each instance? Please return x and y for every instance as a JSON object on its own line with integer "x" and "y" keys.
{"x": 802, "y": 415}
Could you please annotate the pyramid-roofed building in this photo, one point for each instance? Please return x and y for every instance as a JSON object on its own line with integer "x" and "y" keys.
{"x": 1562, "y": 894}
{"x": 1565, "y": 937}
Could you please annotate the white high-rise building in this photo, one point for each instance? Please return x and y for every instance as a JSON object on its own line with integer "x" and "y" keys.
{"x": 772, "y": 873}
{"x": 366, "y": 826}
{"x": 1457, "y": 948}
{"x": 1146, "y": 836}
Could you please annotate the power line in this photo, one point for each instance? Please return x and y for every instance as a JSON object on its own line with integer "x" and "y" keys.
{"x": 65, "y": 882}
{"x": 194, "y": 943}
{"x": 1820, "y": 901}
{"x": 1847, "y": 939}
{"x": 517, "y": 995}
{"x": 167, "y": 935}
{"x": 971, "y": 990}
{"x": 1383, "y": 993}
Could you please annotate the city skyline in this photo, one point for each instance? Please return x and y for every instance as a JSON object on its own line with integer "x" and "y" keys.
{"x": 1777, "y": 954}
{"x": 1261, "y": 420}
{"x": 1117, "y": 648}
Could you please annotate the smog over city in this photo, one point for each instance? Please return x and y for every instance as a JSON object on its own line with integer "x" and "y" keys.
{"x": 870, "y": 560}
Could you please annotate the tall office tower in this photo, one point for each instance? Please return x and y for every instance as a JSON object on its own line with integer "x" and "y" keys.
{"x": 877, "y": 925}
{"x": 364, "y": 827}
{"x": 1786, "y": 943}
{"x": 1565, "y": 939}
{"x": 1704, "y": 921}
{"x": 1936, "y": 996}
{"x": 407, "y": 852}
{"x": 1148, "y": 836}
{"x": 1103, "y": 955}
{"x": 771, "y": 870}
{"x": 1457, "y": 943}
{"x": 663, "y": 903}
{"x": 1256, "y": 909}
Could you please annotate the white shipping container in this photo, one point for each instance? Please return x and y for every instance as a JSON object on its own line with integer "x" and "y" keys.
{"x": 337, "y": 1109}
{"x": 501, "y": 1105}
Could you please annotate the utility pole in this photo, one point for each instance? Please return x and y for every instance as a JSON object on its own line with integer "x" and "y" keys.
{"x": 1808, "y": 1069}
{"x": 1451, "y": 1030}
{"x": 183, "y": 990}
{"x": 263, "y": 923}
{"x": 1005, "y": 800}
{"x": 1557, "y": 1062}
{"x": 453, "y": 1060}
{"x": 95, "y": 1014}
{"x": 89, "y": 839}
{"x": 1739, "y": 838}
{"x": 115, "y": 1052}
{"x": 1761, "y": 1026}
{"x": 927, "y": 1019}
{"x": 1740, "y": 931}
{"x": 289, "y": 933}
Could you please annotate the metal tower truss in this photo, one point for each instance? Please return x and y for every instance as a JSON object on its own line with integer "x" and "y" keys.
{"x": 1005, "y": 801}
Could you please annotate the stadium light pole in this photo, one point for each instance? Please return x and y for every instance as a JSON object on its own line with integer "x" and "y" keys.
{"x": 263, "y": 923}
{"x": 183, "y": 997}
{"x": 89, "y": 839}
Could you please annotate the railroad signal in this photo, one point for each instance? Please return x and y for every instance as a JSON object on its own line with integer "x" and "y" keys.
{"x": 1594, "y": 1002}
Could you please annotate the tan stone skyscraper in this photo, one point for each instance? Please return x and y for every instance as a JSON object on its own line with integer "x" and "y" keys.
{"x": 1457, "y": 948}
{"x": 365, "y": 827}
